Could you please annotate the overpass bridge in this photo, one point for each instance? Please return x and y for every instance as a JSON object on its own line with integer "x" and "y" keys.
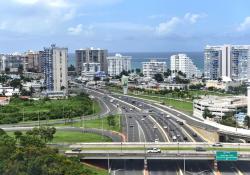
{"x": 142, "y": 155}
{"x": 173, "y": 151}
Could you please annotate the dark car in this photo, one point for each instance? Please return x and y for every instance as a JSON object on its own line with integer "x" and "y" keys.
{"x": 194, "y": 135}
{"x": 200, "y": 149}
{"x": 76, "y": 150}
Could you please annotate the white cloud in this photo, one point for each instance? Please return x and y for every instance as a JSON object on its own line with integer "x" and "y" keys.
{"x": 169, "y": 26}
{"x": 244, "y": 25}
{"x": 75, "y": 30}
{"x": 49, "y": 3}
{"x": 81, "y": 30}
{"x": 192, "y": 18}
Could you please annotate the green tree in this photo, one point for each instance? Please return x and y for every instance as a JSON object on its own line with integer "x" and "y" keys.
{"x": 18, "y": 134}
{"x": 158, "y": 77}
{"x": 167, "y": 74}
{"x": 111, "y": 120}
{"x": 247, "y": 121}
{"x": 207, "y": 113}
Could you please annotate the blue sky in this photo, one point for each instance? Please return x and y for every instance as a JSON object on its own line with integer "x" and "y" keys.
{"x": 123, "y": 25}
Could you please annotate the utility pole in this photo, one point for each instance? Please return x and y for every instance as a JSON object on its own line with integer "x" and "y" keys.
{"x": 39, "y": 119}
{"x": 23, "y": 114}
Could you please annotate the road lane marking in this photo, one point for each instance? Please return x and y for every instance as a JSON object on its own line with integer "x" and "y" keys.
{"x": 140, "y": 129}
{"x": 159, "y": 126}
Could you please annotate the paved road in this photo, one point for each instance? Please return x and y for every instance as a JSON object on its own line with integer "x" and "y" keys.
{"x": 173, "y": 128}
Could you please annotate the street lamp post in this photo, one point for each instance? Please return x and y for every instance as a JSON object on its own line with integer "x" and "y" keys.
{"x": 178, "y": 147}
{"x": 184, "y": 165}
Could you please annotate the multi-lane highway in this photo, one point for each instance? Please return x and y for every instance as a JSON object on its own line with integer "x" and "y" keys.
{"x": 143, "y": 121}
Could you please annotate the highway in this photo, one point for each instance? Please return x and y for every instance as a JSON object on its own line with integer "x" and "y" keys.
{"x": 151, "y": 122}
{"x": 169, "y": 119}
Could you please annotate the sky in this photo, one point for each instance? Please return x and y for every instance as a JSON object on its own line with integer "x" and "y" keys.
{"x": 123, "y": 25}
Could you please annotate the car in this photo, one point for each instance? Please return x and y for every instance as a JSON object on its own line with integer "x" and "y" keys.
{"x": 181, "y": 123}
{"x": 140, "y": 105}
{"x": 218, "y": 144}
{"x": 200, "y": 149}
{"x": 130, "y": 109}
{"x": 194, "y": 134}
{"x": 185, "y": 138}
{"x": 156, "y": 140}
{"x": 153, "y": 150}
{"x": 174, "y": 138}
{"x": 76, "y": 150}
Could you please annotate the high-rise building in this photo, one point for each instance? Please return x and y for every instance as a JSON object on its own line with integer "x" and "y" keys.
{"x": 183, "y": 63}
{"x": 91, "y": 55}
{"x": 32, "y": 61}
{"x": 55, "y": 68}
{"x": 153, "y": 67}
{"x": 228, "y": 62}
{"x": 118, "y": 63}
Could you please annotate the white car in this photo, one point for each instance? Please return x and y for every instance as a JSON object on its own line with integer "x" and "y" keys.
{"x": 217, "y": 145}
{"x": 154, "y": 150}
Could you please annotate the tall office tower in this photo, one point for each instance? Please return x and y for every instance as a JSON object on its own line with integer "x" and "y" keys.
{"x": 183, "y": 63}
{"x": 118, "y": 63}
{"x": 55, "y": 68}
{"x": 153, "y": 67}
{"x": 91, "y": 55}
{"x": 229, "y": 62}
{"x": 32, "y": 61}
{"x": 2, "y": 63}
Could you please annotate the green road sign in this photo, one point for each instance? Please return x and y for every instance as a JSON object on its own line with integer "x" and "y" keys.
{"x": 226, "y": 155}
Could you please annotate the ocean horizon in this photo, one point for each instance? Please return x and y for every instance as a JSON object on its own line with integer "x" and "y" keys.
{"x": 139, "y": 57}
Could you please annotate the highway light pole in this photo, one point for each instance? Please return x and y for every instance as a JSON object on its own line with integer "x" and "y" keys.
{"x": 109, "y": 170}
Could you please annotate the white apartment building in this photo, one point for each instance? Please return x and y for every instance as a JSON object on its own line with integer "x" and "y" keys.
{"x": 183, "y": 63}
{"x": 153, "y": 67}
{"x": 118, "y": 63}
{"x": 56, "y": 68}
{"x": 90, "y": 69}
{"x": 229, "y": 62}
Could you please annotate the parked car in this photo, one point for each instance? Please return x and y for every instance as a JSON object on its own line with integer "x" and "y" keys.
{"x": 218, "y": 144}
{"x": 154, "y": 150}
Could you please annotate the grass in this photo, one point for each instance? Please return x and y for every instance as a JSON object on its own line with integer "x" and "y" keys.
{"x": 74, "y": 137}
{"x": 97, "y": 123}
{"x": 30, "y": 110}
{"x": 184, "y": 106}
{"x": 96, "y": 170}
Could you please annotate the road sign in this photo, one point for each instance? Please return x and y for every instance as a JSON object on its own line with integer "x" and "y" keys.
{"x": 226, "y": 155}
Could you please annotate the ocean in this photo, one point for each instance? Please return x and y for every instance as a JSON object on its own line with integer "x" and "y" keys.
{"x": 139, "y": 57}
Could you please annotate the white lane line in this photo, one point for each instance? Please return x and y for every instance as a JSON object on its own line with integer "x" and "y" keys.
{"x": 140, "y": 130}
{"x": 161, "y": 129}
{"x": 126, "y": 121}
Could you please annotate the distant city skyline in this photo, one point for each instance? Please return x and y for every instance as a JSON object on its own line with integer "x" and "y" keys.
{"x": 123, "y": 25}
